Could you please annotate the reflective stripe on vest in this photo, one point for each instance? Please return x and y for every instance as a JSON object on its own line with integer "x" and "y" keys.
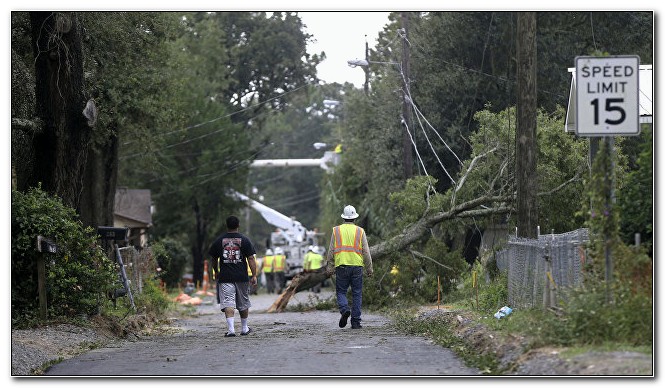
{"x": 347, "y": 247}
{"x": 267, "y": 264}
{"x": 280, "y": 260}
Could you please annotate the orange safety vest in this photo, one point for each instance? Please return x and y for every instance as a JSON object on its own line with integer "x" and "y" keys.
{"x": 280, "y": 261}
{"x": 347, "y": 246}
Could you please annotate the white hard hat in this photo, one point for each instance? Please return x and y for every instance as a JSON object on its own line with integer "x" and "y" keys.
{"x": 349, "y": 213}
{"x": 268, "y": 252}
{"x": 278, "y": 251}
{"x": 311, "y": 248}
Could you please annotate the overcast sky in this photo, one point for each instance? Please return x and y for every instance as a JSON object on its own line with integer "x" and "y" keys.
{"x": 342, "y": 35}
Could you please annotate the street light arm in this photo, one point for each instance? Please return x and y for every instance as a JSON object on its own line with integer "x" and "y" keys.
{"x": 365, "y": 63}
{"x": 357, "y": 62}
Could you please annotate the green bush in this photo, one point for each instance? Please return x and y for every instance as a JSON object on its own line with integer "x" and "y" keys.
{"x": 490, "y": 295}
{"x": 172, "y": 258}
{"x": 77, "y": 275}
{"x": 152, "y": 300}
{"x": 635, "y": 198}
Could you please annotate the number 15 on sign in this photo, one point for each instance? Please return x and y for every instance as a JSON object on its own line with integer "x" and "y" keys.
{"x": 607, "y": 95}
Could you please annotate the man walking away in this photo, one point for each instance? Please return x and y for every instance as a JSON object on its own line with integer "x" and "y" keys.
{"x": 234, "y": 252}
{"x": 348, "y": 253}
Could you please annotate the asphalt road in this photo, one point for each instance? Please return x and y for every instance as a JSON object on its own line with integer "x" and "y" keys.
{"x": 281, "y": 344}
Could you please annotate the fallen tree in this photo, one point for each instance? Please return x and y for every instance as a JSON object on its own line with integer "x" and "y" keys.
{"x": 473, "y": 208}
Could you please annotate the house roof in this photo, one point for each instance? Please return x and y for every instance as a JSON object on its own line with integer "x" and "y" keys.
{"x": 133, "y": 204}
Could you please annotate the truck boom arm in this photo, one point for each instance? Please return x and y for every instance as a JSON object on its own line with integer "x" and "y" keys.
{"x": 272, "y": 216}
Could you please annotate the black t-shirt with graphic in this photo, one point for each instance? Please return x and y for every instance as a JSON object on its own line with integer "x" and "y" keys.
{"x": 229, "y": 257}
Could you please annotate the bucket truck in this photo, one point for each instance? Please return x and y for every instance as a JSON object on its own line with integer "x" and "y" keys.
{"x": 290, "y": 235}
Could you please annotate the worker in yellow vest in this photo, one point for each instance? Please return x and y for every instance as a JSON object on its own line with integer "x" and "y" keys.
{"x": 253, "y": 288}
{"x": 313, "y": 262}
{"x": 267, "y": 268}
{"x": 348, "y": 255}
{"x": 279, "y": 268}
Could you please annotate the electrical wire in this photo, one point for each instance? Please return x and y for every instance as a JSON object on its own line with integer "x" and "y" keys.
{"x": 406, "y": 126}
{"x": 229, "y": 114}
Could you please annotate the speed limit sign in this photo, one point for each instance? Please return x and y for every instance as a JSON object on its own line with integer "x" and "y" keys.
{"x": 607, "y": 95}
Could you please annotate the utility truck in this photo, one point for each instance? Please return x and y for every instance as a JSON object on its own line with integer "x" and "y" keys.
{"x": 289, "y": 234}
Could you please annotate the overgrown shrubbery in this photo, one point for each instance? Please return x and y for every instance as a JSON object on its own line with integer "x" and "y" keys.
{"x": 77, "y": 275}
{"x": 619, "y": 309}
{"x": 171, "y": 257}
{"x": 486, "y": 294}
{"x": 152, "y": 299}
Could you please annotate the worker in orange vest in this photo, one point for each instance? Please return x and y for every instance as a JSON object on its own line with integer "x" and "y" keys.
{"x": 279, "y": 269}
{"x": 267, "y": 268}
{"x": 348, "y": 257}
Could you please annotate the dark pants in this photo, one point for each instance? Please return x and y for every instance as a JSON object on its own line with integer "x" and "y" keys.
{"x": 347, "y": 275}
{"x": 270, "y": 281}
{"x": 317, "y": 288}
{"x": 280, "y": 281}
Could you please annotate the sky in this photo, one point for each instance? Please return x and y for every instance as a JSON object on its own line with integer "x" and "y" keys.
{"x": 342, "y": 36}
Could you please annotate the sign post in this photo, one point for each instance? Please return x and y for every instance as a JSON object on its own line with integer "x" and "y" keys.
{"x": 607, "y": 105}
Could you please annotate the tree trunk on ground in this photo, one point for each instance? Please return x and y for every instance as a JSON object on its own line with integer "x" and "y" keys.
{"x": 409, "y": 235}
{"x": 61, "y": 148}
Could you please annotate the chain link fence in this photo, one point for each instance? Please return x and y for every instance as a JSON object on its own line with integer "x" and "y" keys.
{"x": 537, "y": 269}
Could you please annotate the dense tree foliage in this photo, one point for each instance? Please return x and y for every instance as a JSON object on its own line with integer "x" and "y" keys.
{"x": 187, "y": 100}
{"x": 462, "y": 63}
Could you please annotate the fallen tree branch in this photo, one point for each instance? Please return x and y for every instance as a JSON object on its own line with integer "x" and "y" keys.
{"x": 561, "y": 186}
{"x": 302, "y": 281}
{"x": 418, "y": 254}
{"x": 409, "y": 235}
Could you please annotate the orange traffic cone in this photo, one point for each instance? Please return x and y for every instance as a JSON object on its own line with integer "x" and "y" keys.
{"x": 205, "y": 276}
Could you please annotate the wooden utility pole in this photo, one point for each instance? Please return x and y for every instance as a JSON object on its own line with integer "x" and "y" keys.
{"x": 406, "y": 104}
{"x": 366, "y": 68}
{"x": 526, "y": 148}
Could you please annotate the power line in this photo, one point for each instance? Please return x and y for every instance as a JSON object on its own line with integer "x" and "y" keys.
{"x": 229, "y": 114}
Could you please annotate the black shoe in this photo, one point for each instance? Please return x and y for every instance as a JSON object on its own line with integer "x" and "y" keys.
{"x": 356, "y": 326}
{"x": 230, "y": 335}
{"x": 249, "y": 330}
{"x": 344, "y": 319}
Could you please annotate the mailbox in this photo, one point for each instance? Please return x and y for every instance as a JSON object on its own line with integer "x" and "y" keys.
{"x": 111, "y": 233}
{"x": 46, "y": 245}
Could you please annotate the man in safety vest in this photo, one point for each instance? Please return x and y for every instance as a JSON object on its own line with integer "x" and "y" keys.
{"x": 348, "y": 253}
{"x": 279, "y": 266}
{"x": 253, "y": 288}
{"x": 313, "y": 262}
{"x": 266, "y": 267}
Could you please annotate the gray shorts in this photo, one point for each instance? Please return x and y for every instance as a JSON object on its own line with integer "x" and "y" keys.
{"x": 234, "y": 295}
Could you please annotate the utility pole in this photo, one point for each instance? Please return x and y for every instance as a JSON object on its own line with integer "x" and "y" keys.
{"x": 366, "y": 68}
{"x": 526, "y": 148}
{"x": 406, "y": 104}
